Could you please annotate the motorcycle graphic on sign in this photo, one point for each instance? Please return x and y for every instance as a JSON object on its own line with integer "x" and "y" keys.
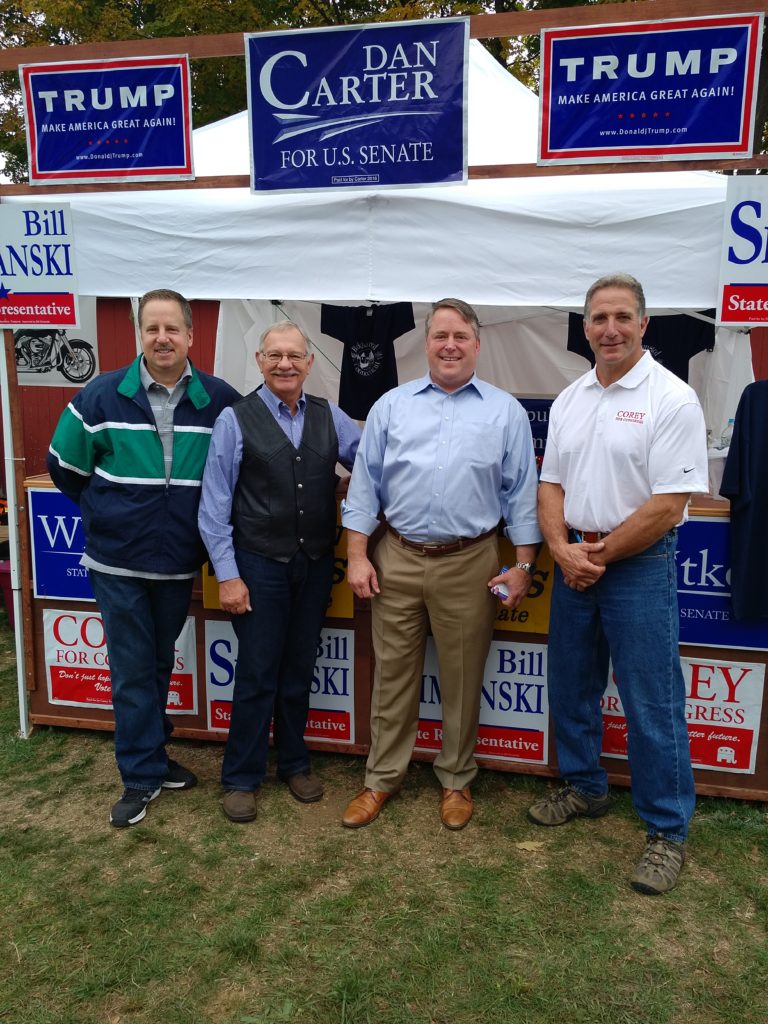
{"x": 41, "y": 350}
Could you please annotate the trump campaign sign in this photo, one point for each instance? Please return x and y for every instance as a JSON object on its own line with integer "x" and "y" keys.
{"x": 127, "y": 119}
{"x": 743, "y": 287}
{"x": 358, "y": 106}
{"x": 682, "y": 89}
{"x": 38, "y": 283}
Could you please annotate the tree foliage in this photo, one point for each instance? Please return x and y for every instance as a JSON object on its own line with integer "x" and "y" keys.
{"x": 218, "y": 85}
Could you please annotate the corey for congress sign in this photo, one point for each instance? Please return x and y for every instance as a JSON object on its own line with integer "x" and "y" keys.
{"x": 370, "y": 106}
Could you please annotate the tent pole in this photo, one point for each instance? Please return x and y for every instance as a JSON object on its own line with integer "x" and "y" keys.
{"x": 14, "y": 482}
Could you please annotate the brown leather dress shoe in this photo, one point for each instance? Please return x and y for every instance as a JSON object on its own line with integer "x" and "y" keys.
{"x": 456, "y": 807}
{"x": 239, "y": 805}
{"x": 365, "y": 808}
{"x": 305, "y": 787}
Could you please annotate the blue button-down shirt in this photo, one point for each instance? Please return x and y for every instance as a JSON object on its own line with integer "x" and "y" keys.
{"x": 443, "y": 465}
{"x": 222, "y": 471}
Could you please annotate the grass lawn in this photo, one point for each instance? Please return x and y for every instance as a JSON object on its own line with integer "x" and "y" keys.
{"x": 188, "y": 919}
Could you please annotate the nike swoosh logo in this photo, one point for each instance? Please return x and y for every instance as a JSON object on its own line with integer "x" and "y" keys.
{"x": 689, "y": 470}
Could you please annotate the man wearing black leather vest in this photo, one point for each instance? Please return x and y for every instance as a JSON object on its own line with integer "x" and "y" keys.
{"x": 268, "y": 519}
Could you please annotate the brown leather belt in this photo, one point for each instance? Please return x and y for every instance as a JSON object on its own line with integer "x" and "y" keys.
{"x": 589, "y": 536}
{"x": 434, "y": 550}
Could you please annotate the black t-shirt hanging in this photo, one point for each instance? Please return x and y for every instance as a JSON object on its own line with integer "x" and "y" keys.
{"x": 368, "y": 366}
{"x": 671, "y": 340}
{"x": 745, "y": 483}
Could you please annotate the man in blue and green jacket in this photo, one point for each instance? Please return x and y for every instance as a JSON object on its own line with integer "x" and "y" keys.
{"x": 130, "y": 450}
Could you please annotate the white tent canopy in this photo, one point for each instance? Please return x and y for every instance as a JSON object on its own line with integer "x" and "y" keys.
{"x": 522, "y": 250}
{"x": 517, "y": 243}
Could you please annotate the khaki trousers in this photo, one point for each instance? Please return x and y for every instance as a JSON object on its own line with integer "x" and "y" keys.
{"x": 450, "y": 594}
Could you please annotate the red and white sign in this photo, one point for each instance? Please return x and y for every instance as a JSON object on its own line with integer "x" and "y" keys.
{"x": 332, "y": 693}
{"x": 38, "y": 283}
{"x": 724, "y": 701}
{"x": 77, "y": 663}
{"x": 514, "y": 710}
{"x": 743, "y": 287}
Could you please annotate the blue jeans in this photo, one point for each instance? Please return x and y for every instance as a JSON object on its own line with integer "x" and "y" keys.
{"x": 277, "y": 649}
{"x": 142, "y": 619}
{"x": 631, "y": 615}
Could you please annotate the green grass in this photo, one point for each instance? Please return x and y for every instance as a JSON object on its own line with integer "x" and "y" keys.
{"x": 187, "y": 919}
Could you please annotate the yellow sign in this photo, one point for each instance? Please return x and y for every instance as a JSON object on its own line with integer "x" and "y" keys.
{"x": 341, "y": 604}
{"x": 210, "y": 588}
{"x": 532, "y": 614}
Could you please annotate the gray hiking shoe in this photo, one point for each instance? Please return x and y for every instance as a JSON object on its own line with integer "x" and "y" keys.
{"x": 659, "y": 867}
{"x": 567, "y": 803}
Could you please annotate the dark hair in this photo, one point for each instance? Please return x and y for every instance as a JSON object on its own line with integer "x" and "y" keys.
{"x": 464, "y": 310}
{"x": 167, "y": 295}
{"x": 617, "y": 281}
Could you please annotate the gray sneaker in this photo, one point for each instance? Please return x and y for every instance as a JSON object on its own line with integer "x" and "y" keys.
{"x": 567, "y": 803}
{"x": 659, "y": 867}
{"x": 132, "y": 806}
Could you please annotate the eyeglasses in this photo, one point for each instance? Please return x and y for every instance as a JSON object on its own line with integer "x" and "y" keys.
{"x": 273, "y": 358}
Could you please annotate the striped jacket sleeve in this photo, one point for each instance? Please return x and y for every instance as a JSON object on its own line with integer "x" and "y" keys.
{"x": 71, "y": 455}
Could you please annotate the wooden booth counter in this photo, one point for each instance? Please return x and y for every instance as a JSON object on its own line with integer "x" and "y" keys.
{"x": 724, "y": 662}
{"x": 70, "y": 681}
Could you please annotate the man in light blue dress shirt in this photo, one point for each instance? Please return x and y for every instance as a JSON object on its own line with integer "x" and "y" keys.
{"x": 444, "y": 458}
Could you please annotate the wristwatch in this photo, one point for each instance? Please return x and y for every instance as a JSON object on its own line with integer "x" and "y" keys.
{"x": 529, "y": 567}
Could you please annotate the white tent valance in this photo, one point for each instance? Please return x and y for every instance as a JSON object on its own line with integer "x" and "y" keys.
{"x": 518, "y": 243}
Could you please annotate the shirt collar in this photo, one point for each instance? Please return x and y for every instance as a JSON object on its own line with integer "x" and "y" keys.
{"x": 147, "y": 380}
{"x": 426, "y": 383}
{"x": 631, "y": 379}
{"x": 277, "y": 404}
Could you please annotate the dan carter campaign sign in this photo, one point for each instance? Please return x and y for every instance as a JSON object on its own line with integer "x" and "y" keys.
{"x": 682, "y": 89}
{"x": 358, "y": 106}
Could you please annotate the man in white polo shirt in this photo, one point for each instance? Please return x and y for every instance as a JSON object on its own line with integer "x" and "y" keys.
{"x": 625, "y": 450}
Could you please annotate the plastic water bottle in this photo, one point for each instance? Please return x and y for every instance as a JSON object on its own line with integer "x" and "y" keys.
{"x": 727, "y": 434}
{"x": 501, "y": 590}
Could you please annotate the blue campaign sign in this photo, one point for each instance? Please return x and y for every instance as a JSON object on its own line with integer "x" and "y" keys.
{"x": 538, "y": 417}
{"x": 116, "y": 120}
{"x": 57, "y": 547}
{"x": 362, "y": 106}
{"x": 675, "y": 90}
{"x": 704, "y": 588}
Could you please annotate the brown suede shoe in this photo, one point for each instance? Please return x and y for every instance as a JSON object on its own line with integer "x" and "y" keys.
{"x": 365, "y": 808}
{"x": 305, "y": 787}
{"x": 240, "y": 806}
{"x": 456, "y": 807}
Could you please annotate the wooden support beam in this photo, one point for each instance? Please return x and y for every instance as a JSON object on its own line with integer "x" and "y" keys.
{"x": 481, "y": 26}
{"x": 480, "y": 171}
